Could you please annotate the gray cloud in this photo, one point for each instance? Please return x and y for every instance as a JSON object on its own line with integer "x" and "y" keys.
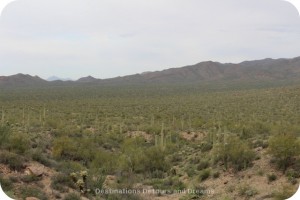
{"x": 106, "y": 38}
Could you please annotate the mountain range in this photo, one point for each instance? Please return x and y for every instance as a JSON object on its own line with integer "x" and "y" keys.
{"x": 55, "y": 78}
{"x": 270, "y": 70}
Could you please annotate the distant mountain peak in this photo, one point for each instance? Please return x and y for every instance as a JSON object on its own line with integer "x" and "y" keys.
{"x": 55, "y": 78}
{"x": 21, "y": 80}
{"x": 87, "y": 79}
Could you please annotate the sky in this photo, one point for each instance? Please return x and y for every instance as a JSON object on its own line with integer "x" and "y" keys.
{"x": 109, "y": 38}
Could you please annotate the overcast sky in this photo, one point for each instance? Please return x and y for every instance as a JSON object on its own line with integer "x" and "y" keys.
{"x": 108, "y": 38}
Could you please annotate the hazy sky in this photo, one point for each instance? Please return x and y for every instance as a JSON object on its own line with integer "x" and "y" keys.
{"x": 108, "y": 38}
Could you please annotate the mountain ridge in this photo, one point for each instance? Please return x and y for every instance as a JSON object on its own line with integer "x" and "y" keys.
{"x": 257, "y": 70}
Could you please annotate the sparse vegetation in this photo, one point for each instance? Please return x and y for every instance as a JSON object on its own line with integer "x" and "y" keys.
{"x": 164, "y": 137}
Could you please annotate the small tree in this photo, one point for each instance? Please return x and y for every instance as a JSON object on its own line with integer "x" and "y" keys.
{"x": 284, "y": 147}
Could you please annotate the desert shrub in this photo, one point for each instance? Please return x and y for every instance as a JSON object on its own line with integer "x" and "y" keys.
{"x": 253, "y": 129}
{"x": 105, "y": 162}
{"x": 272, "y": 177}
{"x": 260, "y": 172}
{"x": 195, "y": 160}
{"x": 72, "y": 196}
{"x": 68, "y": 167}
{"x": 285, "y": 193}
{"x": 61, "y": 181}
{"x": 64, "y": 147}
{"x": 170, "y": 183}
{"x": 30, "y": 178}
{"x": 6, "y": 184}
{"x": 133, "y": 156}
{"x": 95, "y": 181}
{"x": 19, "y": 143}
{"x": 216, "y": 174}
{"x": 175, "y": 158}
{"x": 174, "y": 183}
{"x": 30, "y": 191}
{"x": 190, "y": 170}
{"x": 4, "y": 135}
{"x": 203, "y": 165}
{"x": 284, "y": 147}
{"x": 234, "y": 152}
{"x": 206, "y": 146}
{"x": 246, "y": 190}
{"x": 39, "y": 156}
{"x": 14, "y": 161}
{"x": 155, "y": 160}
{"x": 85, "y": 151}
{"x": 292, "y": 173}
{"x": 156, "y": 174}
{"x": 77, "y": 149}
{"x": 204, "y": 174}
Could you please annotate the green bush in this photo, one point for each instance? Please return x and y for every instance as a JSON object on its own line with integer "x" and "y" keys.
{"x": 206, "y": 146}
{"x": 155, "y": 160}
{"x": 67, "y": 167}
{"x": 190, "y": 170}
{"x": 203, "y": 165}
{"x": 204, "y": 174}
{"x": 14, "y": 161}
{"x": 19, "y": 143}
{"x": 234, "y": 152}
{"x": 39, "y": 156}
{"x": 95, "y": 181}
{"x": 64, "y": 147}
{"x": 31, "y": 191}
{"x": 105, "y": 162}
{"x": 284, "y": 147}
{"x": 61, "y": 181}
